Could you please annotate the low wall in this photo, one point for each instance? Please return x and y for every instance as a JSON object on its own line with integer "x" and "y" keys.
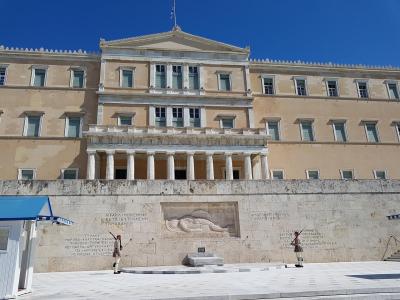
{"x": 243, "y": 221}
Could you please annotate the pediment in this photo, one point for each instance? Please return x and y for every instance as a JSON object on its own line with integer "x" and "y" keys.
{"x": 175, "y": 40}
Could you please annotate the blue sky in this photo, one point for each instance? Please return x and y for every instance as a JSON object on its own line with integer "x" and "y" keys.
{"x": 341, "y": 31}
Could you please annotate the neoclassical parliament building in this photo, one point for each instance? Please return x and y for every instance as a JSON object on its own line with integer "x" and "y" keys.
{"x": 176, "y": 106}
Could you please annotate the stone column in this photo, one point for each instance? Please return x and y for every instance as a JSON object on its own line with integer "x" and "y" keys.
{"x": 210, "y": 166}
{"x": 248, "y": 174}
{"x": 110, "y": 165}
{"x": 264, "y": 166}
{"x": 190, "y": 165}
{"x": 150, "y": 165}
{"x": 170, "y": 166}
{"x": 130, "y": 169}
{"x": 91, "y": 164}
{"x": 228, "y": 166}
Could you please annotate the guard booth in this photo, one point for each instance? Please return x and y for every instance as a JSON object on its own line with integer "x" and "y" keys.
{"x": 18, "y": 218}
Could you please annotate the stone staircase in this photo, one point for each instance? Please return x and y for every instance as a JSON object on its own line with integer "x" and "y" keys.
{"x": 394, "y": 257}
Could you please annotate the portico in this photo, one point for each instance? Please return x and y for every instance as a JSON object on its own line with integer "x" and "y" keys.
{"x": 167, "y": 153}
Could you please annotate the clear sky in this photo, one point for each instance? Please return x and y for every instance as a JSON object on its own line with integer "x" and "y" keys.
{"x": 341, "y": 31}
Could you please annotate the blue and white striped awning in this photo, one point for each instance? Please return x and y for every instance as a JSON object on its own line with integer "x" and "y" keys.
{"x": 393, "y": 217}
{"x": 35, "y": 208}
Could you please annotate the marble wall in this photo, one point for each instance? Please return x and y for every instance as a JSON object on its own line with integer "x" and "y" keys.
{"x": 242, "y": 221}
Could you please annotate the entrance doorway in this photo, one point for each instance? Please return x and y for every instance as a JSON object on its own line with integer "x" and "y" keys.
{"x": 120, "y": 174}
{"x": 180, "y": 174}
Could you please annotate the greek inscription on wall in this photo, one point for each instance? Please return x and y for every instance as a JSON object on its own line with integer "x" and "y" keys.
{"x": 309, "y": 238}
{"x": 116, "y": 218}
{"x": 89, "y": 245}
{"x": 260, "y": 216}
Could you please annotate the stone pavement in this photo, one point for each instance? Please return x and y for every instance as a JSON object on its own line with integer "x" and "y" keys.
{"x": 357, "y": 280}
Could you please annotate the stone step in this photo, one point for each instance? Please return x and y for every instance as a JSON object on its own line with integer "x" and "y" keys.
{"x": 392, "y": 259}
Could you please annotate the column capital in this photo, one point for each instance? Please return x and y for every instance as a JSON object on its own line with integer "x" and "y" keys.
{"x": 169, "y": 153}
{"x": 110, "y": 152}
{"x": 91, "y": 152}
{"x": 210, "y": 153}
{"x": 130, "y": 152}
{"x": 228, "y": 153}
{"x": 263, "y": 153}
{"x": 247, "y": 153}
{"x": 151, "y": 152}
{"x": 191, "y": 153}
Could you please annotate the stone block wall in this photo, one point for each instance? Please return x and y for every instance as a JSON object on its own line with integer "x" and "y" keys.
{"x": 242, "y": 221}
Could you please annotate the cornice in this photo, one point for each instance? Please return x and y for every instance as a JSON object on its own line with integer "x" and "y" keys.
{"x": 48, "y": 53}
{"x": 283, "y": 142}
{"x": 316, "y": 66}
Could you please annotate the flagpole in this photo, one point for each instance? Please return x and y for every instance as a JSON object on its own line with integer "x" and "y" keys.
{"x": 174, "y": 14}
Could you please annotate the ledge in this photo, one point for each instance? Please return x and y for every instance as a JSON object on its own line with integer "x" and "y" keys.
{"x": 194, "y": 188}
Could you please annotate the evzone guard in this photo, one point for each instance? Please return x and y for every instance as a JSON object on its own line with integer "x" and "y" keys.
{"x": 298, "y": 250}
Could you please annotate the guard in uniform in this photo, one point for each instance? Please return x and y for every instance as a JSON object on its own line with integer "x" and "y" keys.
{"x": 297, "y": 249}
{"x": 117, "y": 253}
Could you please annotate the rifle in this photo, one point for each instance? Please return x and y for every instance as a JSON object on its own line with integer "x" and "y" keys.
{"x": 298, "y": 235}
{"x": 113, "y": 235}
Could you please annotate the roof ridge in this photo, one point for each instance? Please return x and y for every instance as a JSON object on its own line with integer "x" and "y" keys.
{"x": 47, "y": 51}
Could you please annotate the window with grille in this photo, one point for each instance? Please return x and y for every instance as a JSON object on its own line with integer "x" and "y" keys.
{"x": 268, "y": 85}
{"x": 362, "y": 89}
{"x": 69, "y": 174}
{"x": 380, "y": 174}
{"x": 193, "y": 78}
{"x": 160, "y": 119}
{"x": 194, "y": 115}
{"x": 160, "y": 77}
{"x": 177, "y": 117}
{"x": 332, "y": 88}
{"x": 227, "y": 123}
{"x": 2, "y": 76}
{"x": 301, "y": 87}
{"x": 26, "y": 174}
{"x": 125, "y": 120}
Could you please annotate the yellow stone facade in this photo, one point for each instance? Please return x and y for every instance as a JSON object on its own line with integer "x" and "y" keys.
{"x": 260, "y": 93}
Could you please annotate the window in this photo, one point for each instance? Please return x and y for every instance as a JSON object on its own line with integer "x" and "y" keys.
{"x": 26, "y": 174}
{"x": 160, "y": 117}
{"x": 177, "y": 77}
{"x": 347, "y": 174}
{"x": 177, "y": 117}
{"x": 332, "y": 87}
{"x": 73, "y": 127}
{"x": 312, "y": 174}
{"x": 307, "y": 133}
{"x": 32, "y": 125}
{"x": 227, "y": 123}
{"x": 339, "y": 130}
{"x": 273, "y": 130}
{"x": 392, "y": 90}
{"x": 362, "y": 89}
{"x": 372, "y": 132}
{"x": 125, "y": 120}
{"x": 224, "y": 82}
{"x": 160, "y": 76}
{"x": 268, "y": 83}
{"x": 3, "y": 75}
{"x": 194, "y": 115}
{"x": 193, "y": 78}
{"x": 78, "y": 78}
{"x": 379, "y": 174}
{"x": 277, "y": 174}
{"x": 126, "y": 78}
{"x": 69, "y": 174}
{"x": 39, "y": 77}
{"x": 301, "y": 88}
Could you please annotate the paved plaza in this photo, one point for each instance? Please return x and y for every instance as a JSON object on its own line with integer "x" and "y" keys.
{"x": 357, "y": 280}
